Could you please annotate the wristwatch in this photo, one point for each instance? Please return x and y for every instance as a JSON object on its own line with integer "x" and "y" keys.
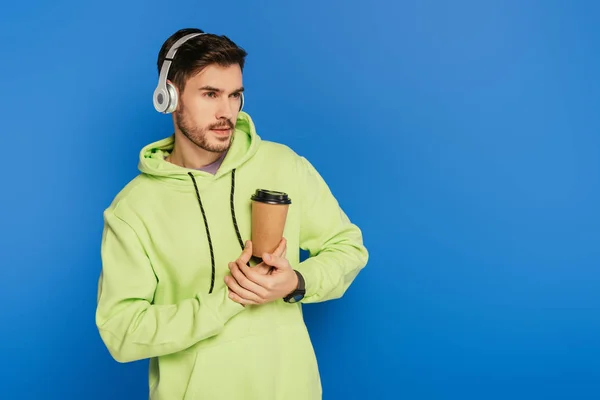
{"x": 298, "y": 293}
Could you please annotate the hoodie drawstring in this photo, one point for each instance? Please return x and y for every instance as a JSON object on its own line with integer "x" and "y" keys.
{"x": 235, "y": 225}
{"x": 237, "y": 231}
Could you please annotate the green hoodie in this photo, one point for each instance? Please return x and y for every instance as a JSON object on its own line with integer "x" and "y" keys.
{"x": 161, "y": 296}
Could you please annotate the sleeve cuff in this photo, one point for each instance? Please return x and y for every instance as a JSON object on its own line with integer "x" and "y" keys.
{"x": 228, "y": 308}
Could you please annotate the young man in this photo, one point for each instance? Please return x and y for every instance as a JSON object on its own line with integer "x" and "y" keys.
{"x": 179, "y": 285}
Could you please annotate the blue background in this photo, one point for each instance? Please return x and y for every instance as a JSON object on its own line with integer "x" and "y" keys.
{"x": 463, "y": 137}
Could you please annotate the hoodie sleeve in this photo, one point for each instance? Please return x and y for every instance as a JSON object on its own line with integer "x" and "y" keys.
{"x": 131, "y": 327}
{"x": 335, "y": 244}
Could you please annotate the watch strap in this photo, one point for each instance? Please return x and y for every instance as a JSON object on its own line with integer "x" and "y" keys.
{"x": 300, "y": 288}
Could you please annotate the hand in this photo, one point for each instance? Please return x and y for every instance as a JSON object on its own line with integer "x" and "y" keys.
{"x": 248, "y": 285}
{"x": 263, "y": 267}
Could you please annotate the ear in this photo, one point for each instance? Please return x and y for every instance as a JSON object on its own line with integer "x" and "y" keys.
{"x": 173, "y": 97}
{"x": 169, "y": 82}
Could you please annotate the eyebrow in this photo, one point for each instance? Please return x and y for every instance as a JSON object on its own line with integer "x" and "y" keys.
{"x": 214, "y": 89}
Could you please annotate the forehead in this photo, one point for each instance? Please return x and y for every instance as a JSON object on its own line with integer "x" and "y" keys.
{"x": 217, "y": 76}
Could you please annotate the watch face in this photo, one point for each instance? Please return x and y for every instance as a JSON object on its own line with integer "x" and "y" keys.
{"x": 296, "y": 298}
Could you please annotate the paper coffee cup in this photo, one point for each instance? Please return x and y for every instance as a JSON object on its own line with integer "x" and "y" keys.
{"x": 269, "y": 214}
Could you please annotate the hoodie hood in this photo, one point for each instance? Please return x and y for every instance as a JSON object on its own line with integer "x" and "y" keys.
{"x": 244, "y": 146}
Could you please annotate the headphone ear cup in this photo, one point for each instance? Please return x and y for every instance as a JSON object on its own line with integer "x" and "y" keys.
{"x": 242, "y": 101}
{"x": 172, "y": 98}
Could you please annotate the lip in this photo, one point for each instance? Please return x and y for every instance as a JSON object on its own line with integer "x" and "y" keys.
{"x": 221, "y": 131}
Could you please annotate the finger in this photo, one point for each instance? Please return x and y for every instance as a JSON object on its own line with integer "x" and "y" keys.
{"x": 246, "y": 278}
{"x": 240, "y": 292}
{"x": 240, "y": 263}
{"x": 246, "y": 253}
{"x": 261, "y": 269}
{"x": 275, "y": 261}
{"x": 235, "y": 297}
{"x": 281, "y": 248}
{"x": 257, "y": 277}
{"x": 283, "y": 253}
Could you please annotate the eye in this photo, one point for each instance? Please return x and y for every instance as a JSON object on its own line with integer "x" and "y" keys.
{"x": 236, "y": 95}
{"x": 211, "y": 94}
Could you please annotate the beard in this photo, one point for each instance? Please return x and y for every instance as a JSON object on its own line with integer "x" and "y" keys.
{"x": 200, "y": 136}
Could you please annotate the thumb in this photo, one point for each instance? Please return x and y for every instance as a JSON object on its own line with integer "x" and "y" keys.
{"x": 274, "y": 261}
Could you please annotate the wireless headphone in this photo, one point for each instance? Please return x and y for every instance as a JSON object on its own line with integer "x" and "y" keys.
{"x": 165, "y": 94}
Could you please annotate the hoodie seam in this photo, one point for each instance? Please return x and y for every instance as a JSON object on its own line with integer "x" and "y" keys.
{"x": 126, "y": 195}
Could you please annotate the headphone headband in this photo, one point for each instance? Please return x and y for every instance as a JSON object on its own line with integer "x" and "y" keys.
{"x": 163, "y": 99}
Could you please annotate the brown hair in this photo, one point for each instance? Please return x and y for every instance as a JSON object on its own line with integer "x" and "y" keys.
{"x": 198, "y": 53}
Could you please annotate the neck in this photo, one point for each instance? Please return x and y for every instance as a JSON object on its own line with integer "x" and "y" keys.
{"x": 186, "y": 154}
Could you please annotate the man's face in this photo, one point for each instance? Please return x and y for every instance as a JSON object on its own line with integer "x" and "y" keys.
{"x": 209, "y": 105}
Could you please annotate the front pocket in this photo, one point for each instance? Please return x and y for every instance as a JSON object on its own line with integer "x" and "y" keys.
{"x": 275, "y": 365}
{"x": 188, "y": 394}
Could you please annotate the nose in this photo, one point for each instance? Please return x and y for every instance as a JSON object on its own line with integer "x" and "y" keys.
{"x": 225, "y": 110}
